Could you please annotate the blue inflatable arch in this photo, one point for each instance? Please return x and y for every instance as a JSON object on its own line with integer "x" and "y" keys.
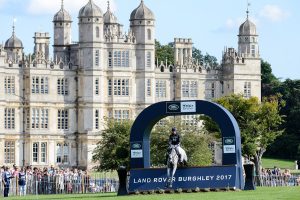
{"x": 142, "y": 126}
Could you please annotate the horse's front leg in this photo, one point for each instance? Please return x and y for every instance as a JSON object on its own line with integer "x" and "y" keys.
{"x": 172, "y": 176}
{"x": 168, "y": 176}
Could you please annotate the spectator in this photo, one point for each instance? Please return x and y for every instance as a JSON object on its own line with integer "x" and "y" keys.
{"x": 6, "y": 181}
{"x": 1, "y": 183}
{"x": 22, "y": 182}
{"x": 286, "y": 176}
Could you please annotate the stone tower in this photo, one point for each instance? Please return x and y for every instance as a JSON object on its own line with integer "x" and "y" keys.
{"x": 242, "y": 69}
{"x": 91, "y": 54}
{"x": 183, "y": 50}
{"x": 142, "y": 25}
{"x": 41, "y": 45}
{"x": 62, "y": 34}
{"x": 90, "y": 35}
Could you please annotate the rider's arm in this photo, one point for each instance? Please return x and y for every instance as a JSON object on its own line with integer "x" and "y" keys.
{"x": 170, "y": 140}
{"x": 179, "y": 139}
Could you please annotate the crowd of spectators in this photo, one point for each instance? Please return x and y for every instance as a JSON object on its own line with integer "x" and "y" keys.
{"x": 277, "y": 177}
{"x": 51, "y": 180}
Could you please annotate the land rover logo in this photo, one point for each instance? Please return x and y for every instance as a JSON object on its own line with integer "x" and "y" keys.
{"x": 136, "y": 146}
{"x": 228, "y": 141}
{"x": 173, "y": 107}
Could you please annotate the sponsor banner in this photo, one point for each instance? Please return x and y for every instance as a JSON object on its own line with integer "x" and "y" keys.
{"x": 181, "y": 107}
{"x": 229, "y": 145}
{"x": 189, "y": 106}
{"x": 185, "y": 178}
{"x": 136, "y": 153}
{"x": 136, "y": 150}
{"x": 229, "y": 148}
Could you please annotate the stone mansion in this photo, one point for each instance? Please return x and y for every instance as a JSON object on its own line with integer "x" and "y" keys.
{"x": 52, "y": 110}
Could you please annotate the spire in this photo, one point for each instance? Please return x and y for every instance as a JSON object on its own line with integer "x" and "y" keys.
{"x": 248, "y": 5}
{"x": 13, "y": 27}
{"x": 108, "y": 6}
{"x": 142, "y": 1}
{"x": 62, "y": 4}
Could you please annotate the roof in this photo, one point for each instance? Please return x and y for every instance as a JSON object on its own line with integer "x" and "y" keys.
{"x": 90, "y": 10}
{"x": 142, "y": 12}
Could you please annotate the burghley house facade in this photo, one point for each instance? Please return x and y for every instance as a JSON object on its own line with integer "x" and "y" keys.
{"x": 52, "y": 109}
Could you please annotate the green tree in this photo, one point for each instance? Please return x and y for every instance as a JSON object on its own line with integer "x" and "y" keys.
{"x": 197, "y": 54}
{"x": 259, "y": 123}
{"x": 211, "y": 61}
{"x": 286, "y": 146}
{"x": 268, "y": 80}
{"x": 112, "y": 150}
{"x": 163, "y": 53}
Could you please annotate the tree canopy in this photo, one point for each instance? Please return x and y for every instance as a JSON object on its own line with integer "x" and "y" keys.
{"x": 288, "y": 145}
{"x": 112, "y": 150}
{"x": 259, "y": 122}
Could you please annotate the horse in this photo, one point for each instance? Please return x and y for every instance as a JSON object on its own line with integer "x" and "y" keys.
{"x": 172, "y": 163}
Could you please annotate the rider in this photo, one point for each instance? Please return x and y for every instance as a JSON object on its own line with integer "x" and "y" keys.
{"x": 174, "y": 141}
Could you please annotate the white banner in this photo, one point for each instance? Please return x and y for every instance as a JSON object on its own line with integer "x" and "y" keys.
{"x": 229, "y": 148}
{"x": 137, "y": 153}
{"x": 189, "y": 106}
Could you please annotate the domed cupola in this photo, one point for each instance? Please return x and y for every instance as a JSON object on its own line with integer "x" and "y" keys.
{"x": 13, "y": 42}
{"x": 248, "y": 39}
{"x": 247, "y": 28}
{"x": 109, "y": 17}
{"x": 90, "y": 10}
{"x": 142, "y": 12}
{"x": 62, "y": 15}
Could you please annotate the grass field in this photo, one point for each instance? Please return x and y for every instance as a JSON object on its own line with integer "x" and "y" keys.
{"x": 271, "y": 193}
{"x": 281, "y": 163}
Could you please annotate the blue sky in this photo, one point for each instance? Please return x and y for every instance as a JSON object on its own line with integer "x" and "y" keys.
{"x": 212, "y": 24}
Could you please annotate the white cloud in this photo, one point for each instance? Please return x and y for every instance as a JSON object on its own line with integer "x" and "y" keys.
{"x": 38, "y": 7}
{"x": 274, "y": 13}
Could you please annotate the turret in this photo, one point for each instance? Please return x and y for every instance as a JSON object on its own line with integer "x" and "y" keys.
{"x": 111, "y": 25}
{"x": 14, "y": 47}
{"x": 248, "y": 39}
{"x": 142, "y": 23}
{"x": 62, "y": 33}
{"x": 90, "y": 23}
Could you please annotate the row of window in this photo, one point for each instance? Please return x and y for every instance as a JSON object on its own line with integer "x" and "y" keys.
{"x": 120, "y": 58}
{"x": 39, "y": 152}
{"x": 40, "y": 118}
{"x": 117, "y": 87}
{"x": 39, "y": 85}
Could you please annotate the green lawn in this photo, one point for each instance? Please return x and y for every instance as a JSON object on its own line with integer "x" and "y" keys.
{"x": 281, "y": 163}
{"x": 271, "y": 193}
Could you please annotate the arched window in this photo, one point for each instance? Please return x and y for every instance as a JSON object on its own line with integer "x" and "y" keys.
{"x": 97, "y": 32}
{"x": 149, "y": 34}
